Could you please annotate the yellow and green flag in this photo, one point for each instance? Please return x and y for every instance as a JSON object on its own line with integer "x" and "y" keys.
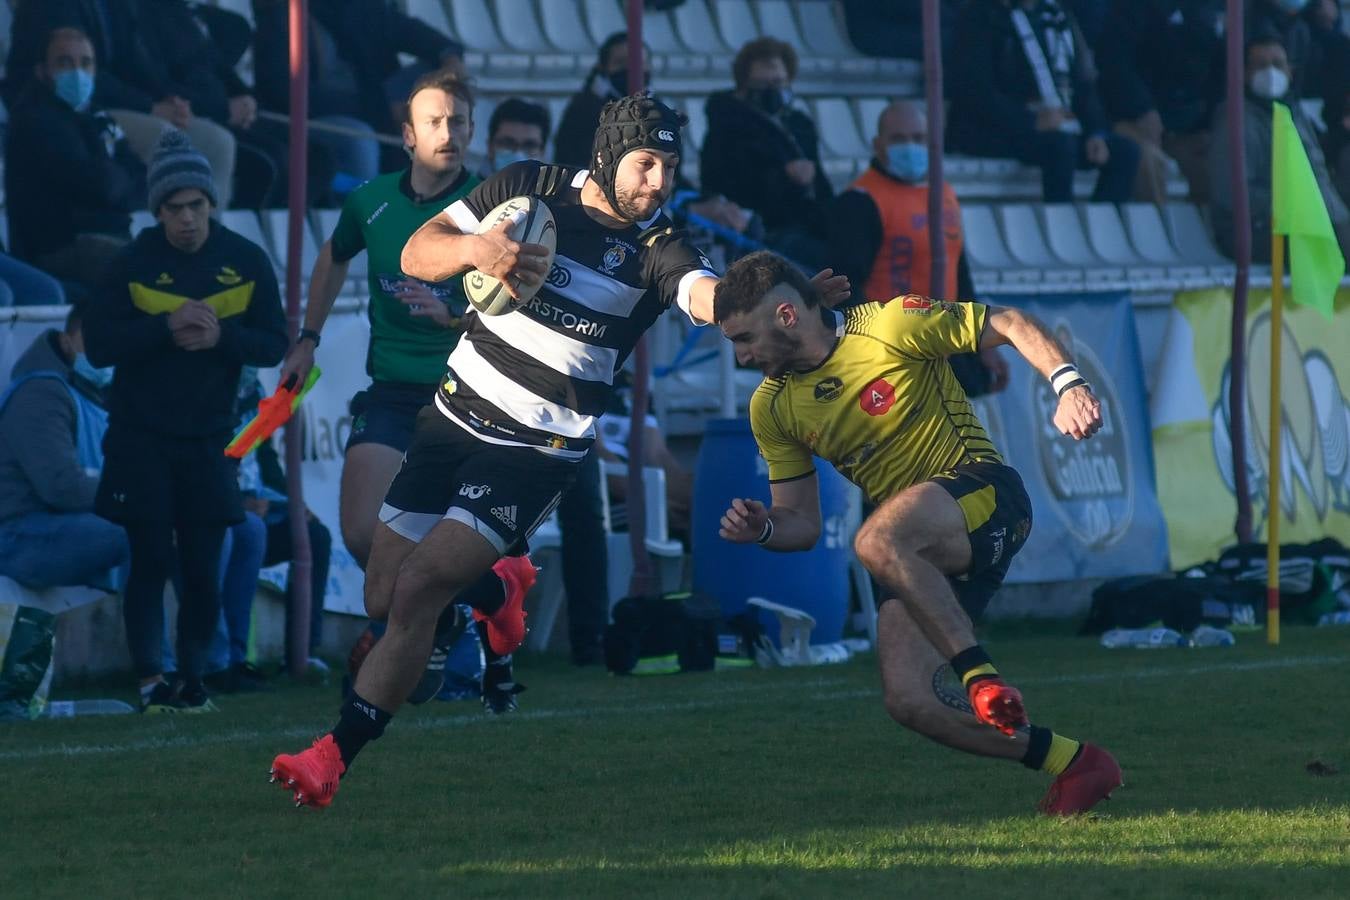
{"x": 1298, "y": 210}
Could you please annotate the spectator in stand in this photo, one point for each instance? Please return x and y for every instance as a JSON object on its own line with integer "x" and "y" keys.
{"x": 71, "y": 178}
{"x": 52, "y": 420}
{"x": 763, "y": 153}
{"x": 355, "y": 77}
{"x": 1162, "y": 73}
{"x": 1310, "y": 31}
{"x": 518, "y": 130}
{"x": 1269, "y": 79}
{"x": 181, "y": 311}
{"x": 194, "y": 49}
{"x": 1336, "y": 115}
{"x": 879, "y": 234}
{"x": 894, "y": 28}
{"x": 129, "y": 84}
{"x": 608, "y": 80}
{"x": 1029, "y": 93}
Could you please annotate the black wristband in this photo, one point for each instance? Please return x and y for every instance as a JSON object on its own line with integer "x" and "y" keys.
{"x": 767, "y": 534}
{"x": 308, "y": 333}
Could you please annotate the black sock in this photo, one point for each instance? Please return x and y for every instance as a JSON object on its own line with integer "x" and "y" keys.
{"x": 359, "y": 723}
{"x": 973, "y": 665}
{"x": 490, "y": 657}
{"x": 448, "y": 623}
{"x": 487, "y": 594}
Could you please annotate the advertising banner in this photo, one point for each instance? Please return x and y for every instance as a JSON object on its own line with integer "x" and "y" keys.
{"x": 1096, "y": 513}
{"x": 1192, "y": 432}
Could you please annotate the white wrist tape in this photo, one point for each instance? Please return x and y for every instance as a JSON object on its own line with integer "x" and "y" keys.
{"x": 1065, "y": 378}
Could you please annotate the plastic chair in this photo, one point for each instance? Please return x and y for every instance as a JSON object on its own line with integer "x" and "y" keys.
{"x": 984, "y": 245}
{"x": 431, "y": 12}
{"x": 1064, "y": 236}
{"x": 1106, "y": 234}
{"x": 1190, "y": 236}
{"x": 519, "y": 28}
{"x": 1026, "y": 243}
{"x": 696, "y": 29}
{"x": 562, "y": 24}
{"x": 1148, "y": 235}
{"x": 839, "y": 129}
{"x": 603, "y": 18}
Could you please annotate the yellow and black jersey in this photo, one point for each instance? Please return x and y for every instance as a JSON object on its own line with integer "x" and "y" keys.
{"x": 884, "y": 407}
{"x": 158, "y": 386}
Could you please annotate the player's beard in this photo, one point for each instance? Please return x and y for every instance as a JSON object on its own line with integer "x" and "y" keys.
{"x": 783, "y": 352}
{"x": 633, "y": 207}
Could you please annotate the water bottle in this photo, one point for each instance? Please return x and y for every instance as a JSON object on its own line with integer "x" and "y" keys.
{"x": 1335, "y": 618}
{"x": 65, "y": 709}
{"x": 1209, "y": 636}
{"x": 1146, "y": 638}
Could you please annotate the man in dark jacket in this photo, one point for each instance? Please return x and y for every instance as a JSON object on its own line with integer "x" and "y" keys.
{"x": 1162, "y": 72}
{"x": 182, "y": 310}
{"x": 1310, "y": 31}
{"x": 1023, "y": 87}
{"x": 764, "y": 154}
{"x": 71, "y": 178}
{"x": 52, "y": 421}
{"x": 131, "y": 82}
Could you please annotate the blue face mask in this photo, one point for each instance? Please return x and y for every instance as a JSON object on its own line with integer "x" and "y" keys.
{"x": 99, "y": 378}
{"x": 503, "y": 158}
{"x": 75, "y": 87}
{"x": 908, "y": 162}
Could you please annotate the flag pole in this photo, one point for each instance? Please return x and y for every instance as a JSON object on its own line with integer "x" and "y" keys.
{"x": 1276, "y": 439}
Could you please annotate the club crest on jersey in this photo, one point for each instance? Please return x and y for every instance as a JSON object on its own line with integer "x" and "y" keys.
{"x": 829, "y": 389}
{"x": 228, "y": 276}
{"x": 877, "y": 398}
{"x": 613, "y": 258}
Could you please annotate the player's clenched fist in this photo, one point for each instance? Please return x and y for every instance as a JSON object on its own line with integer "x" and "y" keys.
{"x": 1079, "y": 414}
{"x": 743, "y": 522}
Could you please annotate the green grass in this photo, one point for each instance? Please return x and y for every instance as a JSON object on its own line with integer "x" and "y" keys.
{"x": 788, "y": 783}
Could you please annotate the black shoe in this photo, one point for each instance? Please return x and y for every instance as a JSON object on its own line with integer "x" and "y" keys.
{"x": 500, "y": 687}
{"x": 194, "y": 698}
{"x": 162, "y": 699}
{"x": 245, "y": 678}
{"x": 449, "y": 629}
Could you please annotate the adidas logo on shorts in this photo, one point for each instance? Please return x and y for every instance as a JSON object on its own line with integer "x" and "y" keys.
{"x": 506, "y": 515}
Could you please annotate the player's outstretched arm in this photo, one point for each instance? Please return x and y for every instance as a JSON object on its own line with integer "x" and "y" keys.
{"x": 792, "y": 523}
{"x": 1079, "y": 414}
{"x": 439, "y": 250}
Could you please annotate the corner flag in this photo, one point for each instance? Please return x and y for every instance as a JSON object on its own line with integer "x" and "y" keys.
{"x": 1298, "y": 210}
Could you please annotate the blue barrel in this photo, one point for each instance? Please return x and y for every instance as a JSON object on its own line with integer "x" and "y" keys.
{"x": 814, "y": 581}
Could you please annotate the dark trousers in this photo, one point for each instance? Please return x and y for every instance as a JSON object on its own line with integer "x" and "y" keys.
{"x": 1059, "y": 155}
{"x": 280, "y": 548}
{"x": 585, "y": 560}
{"x": 152, "y": 560}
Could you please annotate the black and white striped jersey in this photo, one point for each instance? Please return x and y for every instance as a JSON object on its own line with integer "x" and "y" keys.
{"x": 541, "y": 375}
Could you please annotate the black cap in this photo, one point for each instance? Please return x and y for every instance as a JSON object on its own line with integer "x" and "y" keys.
{"x": 635, "y": 122}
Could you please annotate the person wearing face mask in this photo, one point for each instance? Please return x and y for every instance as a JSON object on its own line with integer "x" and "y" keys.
{"x": 517, "y": 131}
{"x": 1310, "y": 30}
{"x": 1269, "y": 80}
{"x": 879, "y": 238}
{"x": 71, "y": 178}
{"x": 608, "y": 80}
{"x": 52, "y": 421}
{"x": 763, "y": 153}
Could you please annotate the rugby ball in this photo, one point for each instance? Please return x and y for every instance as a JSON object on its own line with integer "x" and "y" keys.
{"x": 531, "y": 223}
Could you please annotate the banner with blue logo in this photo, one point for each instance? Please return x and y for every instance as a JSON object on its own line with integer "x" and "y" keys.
{"x": 1096, "y": 511}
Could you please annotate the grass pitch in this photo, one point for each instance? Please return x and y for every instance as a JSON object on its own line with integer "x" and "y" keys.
{"x": 787, "y": 783}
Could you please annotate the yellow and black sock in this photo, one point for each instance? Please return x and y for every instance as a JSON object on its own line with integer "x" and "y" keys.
{"x": 973, "y": 665}
{"x": 1050, "y": 752}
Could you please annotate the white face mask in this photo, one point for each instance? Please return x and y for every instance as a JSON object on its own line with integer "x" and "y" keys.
{"x": 1270, "y": 83}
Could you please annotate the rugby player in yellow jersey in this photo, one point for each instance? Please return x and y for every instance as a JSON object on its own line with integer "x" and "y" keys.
{"x": 873, "y": 393}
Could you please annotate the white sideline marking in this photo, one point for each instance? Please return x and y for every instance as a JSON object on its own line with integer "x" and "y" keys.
{"x": 722, "y": 699}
